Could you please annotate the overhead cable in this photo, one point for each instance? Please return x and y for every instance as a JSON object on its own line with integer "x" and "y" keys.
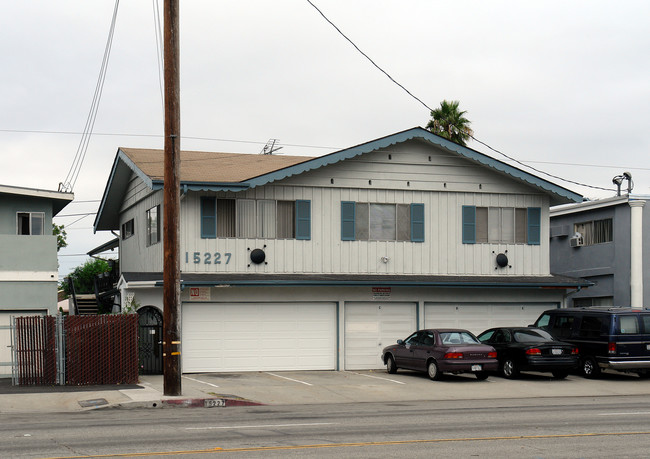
{"x": 429, "y": 108}
{"x": 73, "y": 174}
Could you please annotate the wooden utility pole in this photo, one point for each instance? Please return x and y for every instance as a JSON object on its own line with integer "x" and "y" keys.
{"x": 171, "y": 204}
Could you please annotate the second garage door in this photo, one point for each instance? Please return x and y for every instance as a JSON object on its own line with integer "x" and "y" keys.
{"x": 369, "y": 327}
{"x": 258, "y": 337}
{"x": 479, "y": 317}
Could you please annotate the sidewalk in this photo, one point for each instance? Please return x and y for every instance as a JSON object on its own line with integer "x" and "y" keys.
{"x": 308, "y": 387}
{"x": 148, "y": 393}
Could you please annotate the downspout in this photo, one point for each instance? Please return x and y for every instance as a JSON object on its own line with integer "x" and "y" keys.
{"x": 636, "y": 253}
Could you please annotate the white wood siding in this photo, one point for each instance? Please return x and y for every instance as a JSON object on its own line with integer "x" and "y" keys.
{"x": 135, "y": 256}
{"x": 415, "y": 173}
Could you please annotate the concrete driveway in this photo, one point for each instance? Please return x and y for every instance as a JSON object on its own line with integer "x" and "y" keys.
{"x": 307, "y": 387}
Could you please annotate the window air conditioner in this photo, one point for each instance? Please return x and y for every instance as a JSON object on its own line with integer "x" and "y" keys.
{"x": 576, "y": 241}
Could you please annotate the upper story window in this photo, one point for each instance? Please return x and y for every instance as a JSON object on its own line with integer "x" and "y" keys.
{"x": 362, "y": 221}
{"x": 513, "y": 225}
{"x": 128, "y": 229}
{"x": 30, "y": 223}
{"x": 153, "y": 225}
{"x": 596, "y": 231}
{"x": 251, "y": 218}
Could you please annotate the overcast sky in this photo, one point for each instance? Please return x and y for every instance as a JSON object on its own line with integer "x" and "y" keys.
{"x": 563, "y": 86}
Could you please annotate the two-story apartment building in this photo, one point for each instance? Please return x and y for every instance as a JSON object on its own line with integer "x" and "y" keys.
{"x": 28, "y": 265}
{"x": 604, "y": 241}
{"x": 317, "y": 263}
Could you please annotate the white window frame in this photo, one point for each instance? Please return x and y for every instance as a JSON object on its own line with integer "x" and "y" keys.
{"x": 31, "y": 216}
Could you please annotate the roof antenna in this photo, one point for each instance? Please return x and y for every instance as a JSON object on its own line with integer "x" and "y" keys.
{"x": 270, "y": 147}
{"x": 618, "y": 180}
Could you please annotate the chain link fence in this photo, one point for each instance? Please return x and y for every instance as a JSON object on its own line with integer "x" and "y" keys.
{"x": 75, "y": 350}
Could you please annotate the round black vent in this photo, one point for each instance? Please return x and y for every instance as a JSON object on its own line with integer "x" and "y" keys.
{"x": 502, "y": 260}
{"x": 258, "y": 256}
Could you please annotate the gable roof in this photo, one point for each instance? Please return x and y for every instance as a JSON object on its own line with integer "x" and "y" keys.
{"x": 237, "y": 172}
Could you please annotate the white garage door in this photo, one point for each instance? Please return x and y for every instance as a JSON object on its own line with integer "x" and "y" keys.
{"x": 369, "y": 327}
{"x": 5, "y": 339}
{"x": 479, "y": 317}
{"x": 258, "y": 337}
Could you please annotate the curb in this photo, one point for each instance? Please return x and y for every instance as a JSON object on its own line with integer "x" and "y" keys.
{"x": 210, "y": 402}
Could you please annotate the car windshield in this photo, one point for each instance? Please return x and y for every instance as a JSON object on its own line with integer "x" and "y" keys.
{"x": 532, "y": 336}
{"x": 457, "y": 338}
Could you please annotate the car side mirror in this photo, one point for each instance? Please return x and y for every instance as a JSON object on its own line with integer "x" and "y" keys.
{"x": 399, "y": 341}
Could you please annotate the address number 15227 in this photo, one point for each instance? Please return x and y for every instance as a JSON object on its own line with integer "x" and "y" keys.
{"x": 207, "y": 258}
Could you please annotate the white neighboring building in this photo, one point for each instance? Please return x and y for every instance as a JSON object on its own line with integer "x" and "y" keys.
{"x": 295, "y": 263}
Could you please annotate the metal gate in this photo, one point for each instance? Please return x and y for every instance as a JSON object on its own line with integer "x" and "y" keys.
{"x": 150, "y": 322}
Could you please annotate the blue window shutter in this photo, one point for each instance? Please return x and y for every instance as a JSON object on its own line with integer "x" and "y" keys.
{"x": 534, "y": 225}
{"x": 303, "y": 219}
{"x": 417, "y": 222}
{"x": 208, "y": 217}
{"x": 347, "y": 220}
{"x": 469, "y": 225}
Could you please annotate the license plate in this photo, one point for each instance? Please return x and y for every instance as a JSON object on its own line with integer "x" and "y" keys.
{"x": 556, "y": 351}
{"x": 477, "y": 367}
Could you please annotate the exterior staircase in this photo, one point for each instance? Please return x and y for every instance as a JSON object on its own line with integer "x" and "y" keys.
{"x": 86, "y": 304}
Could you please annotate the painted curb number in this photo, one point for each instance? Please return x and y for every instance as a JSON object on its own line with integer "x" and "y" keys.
{"x": 214, "y": 402}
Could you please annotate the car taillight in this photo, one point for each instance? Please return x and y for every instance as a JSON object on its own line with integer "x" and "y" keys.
{"x": 575, "y": 351}
{"x": 611, "y": 348}
{"x": 492, "y": 355}
{"x": 533, "y": 351}
{"x": 453, "y": 355}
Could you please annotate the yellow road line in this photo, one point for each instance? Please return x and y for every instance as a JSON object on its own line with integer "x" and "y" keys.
{"x": 345, "y": 445}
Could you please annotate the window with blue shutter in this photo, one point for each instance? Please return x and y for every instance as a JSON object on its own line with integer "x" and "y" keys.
{"x": 417, "y": 222}
{"x": 303, "y": 219}
{"x": 534, "y": 225}
{"x": 469, "y": 225}
{"x": 208, "y": 217}
{"x": 347, "y": 220}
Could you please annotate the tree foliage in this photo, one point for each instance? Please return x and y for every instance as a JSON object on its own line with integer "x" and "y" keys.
{"x": 83, "y": 276}
{"x": 61, "y": 236}
{"x": 449, "y": 122}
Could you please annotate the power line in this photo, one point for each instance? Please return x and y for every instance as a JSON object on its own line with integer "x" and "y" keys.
{"x": 429, "y": 108}
{"x": 159, "y": 48}
{"x": 116, "y": 134}
{"x": 73, "y": 174}
{"x": 367, "y": 57}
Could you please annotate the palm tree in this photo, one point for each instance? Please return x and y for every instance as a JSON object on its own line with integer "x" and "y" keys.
{"x": 449, "y": 122}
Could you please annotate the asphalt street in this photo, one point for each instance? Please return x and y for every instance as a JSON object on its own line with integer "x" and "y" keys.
{"x": 605, "y": 426}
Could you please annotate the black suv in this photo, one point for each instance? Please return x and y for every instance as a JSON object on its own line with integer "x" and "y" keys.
{"x": 611, "y": 337}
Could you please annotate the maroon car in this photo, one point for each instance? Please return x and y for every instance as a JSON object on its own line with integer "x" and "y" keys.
{"x": 439, "y": 351}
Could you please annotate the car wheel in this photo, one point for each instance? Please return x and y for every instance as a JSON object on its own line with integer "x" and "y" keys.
{"x": 433, "y": 371}
{"x": 481, "y": 375}
{"x": 390, "y": 365}
{"x": 509, "y": 369}
{"x": 590, "y": 368}
{"x": 560, "y": 374}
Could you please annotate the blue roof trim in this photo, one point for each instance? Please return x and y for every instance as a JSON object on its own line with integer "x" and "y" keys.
{"x": 205, "y": 186}
{"x": 119, "y": 158}
{"x": 355, "y": 283}
{"x": 145, "y": 178}
{"x": 416, "y": 133}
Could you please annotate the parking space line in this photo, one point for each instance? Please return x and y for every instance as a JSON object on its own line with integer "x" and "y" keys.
{"x": 199, "y": 381}
{"x": 376, "y": 377}
{"x": 289, "y": 379}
